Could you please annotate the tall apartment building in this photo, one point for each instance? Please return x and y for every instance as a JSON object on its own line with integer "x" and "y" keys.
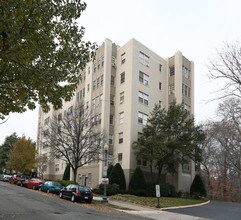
{"x": 121, "y": 86}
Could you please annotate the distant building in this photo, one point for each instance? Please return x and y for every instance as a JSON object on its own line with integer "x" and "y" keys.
{"x": 121, "y": 86}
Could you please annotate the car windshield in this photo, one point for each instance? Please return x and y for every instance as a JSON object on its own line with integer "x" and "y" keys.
{"x": 56, "y": 184}
{"x": 84, "y": 189}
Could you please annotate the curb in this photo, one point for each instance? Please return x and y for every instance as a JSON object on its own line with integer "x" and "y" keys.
{"x": 186, "y": 206}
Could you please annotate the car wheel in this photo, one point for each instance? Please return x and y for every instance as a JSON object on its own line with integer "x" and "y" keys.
{"x": 73, "y": 198}
{"x": 34, "y": 187}
{"x": 48, "y": 191}
{"x": 89, "y": 201}
{"x": 61, "y": 195}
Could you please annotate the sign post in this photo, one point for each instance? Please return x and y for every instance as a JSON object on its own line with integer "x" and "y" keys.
{"x": 158, "y": 195}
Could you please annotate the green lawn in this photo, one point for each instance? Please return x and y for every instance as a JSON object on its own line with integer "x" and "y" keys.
{"x": 165, "y": 202}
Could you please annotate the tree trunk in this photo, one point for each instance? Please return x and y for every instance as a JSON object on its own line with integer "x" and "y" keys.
{"x": 75, "y": 174}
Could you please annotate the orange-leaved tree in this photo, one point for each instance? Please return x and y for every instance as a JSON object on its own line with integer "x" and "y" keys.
{"x": 22, "y": 156}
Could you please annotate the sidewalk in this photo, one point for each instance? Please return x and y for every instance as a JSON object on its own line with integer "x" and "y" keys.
{"x": 148, "y": 212}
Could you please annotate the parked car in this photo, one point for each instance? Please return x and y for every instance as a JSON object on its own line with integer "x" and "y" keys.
{"x": 75, "y": 193}
{"x": 6, "y": 177}
{"x": 23, "y": 179}
{"x": 14, "y": 179}
{"x": 34, "y": 183}
{"x": 51, "y": 187}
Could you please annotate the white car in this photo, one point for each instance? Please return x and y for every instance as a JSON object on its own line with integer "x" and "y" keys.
{"x": 6, "y": 177}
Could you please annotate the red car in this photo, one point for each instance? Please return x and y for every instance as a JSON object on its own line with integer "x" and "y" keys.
{"x": 14, "y": 179}
{"x": 34, "y": 183}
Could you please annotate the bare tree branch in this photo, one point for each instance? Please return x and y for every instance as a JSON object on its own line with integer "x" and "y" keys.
{"x": 75, "y": 138}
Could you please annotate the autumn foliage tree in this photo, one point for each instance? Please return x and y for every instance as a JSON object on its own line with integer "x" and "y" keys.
{"x": 22, "y": 156}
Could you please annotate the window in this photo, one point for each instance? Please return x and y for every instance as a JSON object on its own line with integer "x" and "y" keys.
{"x": 70, "y": 110}
{"x": 83, "y": 92}
{"x": 186, "y": 167}
{"x": 122, "y": 97}
{"x": 97, "y": 82}
{"x": 111, "y": 139}
{"x": 143, "y": 78}
{"x": 101, "y": 80}
{"x": 143, "y": 98}
{"x": 186, "y": 90}
{"x": 112, "y": 99}
{"x": 88, "y": 87}
{"x": 45, "y": 145}
{"x": 160, "y": 86}
{"x": 98, "y": 119}
{"x": 95, "y": 67}
{"x": 88, "y": 70}
{"x": 122, "y": 78}
{"x": 160, "y": 103}
{"x": 121, "y": 117}
{"x": 89, "y": 178}
{"x": 93, "y": 103}
{"x": 98, "y": 64}
{"x": 102, "y": 61}
{"x": 111, "y": 119}
{"x": 143, "y": 58}
{"x": 112, "y": 80}
{"x": 160, "y": 67}
{"x": 84, "y": 75}
{"x": 97, "y": 101}
{"x": 113, "y": 61}
{"x": 142, "y": 118}
{"x": 60, "y": 117}
{"x": 59, "y": 129}
{"x": 172, "y": 71}
{"x": 120, "y": 158}
{"x": 101, "y": 98}
{"x": 57, "y": 167}
{"x": 120, "y": 137}
{"x": 94, "y": 84}
{"x": 141, "y": 162}
{"x": 186, "y": 72}
{"x": 123, "y": 58}
{"x": 144, "y": 163}
{"x": 46, "y": 121}
{"x": 171, "y": 89}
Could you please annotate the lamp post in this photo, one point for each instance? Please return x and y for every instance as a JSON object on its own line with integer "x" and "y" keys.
{"x": 104, "y": 175}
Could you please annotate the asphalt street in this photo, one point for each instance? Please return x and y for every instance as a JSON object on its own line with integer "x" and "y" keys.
{"x": 215, "y": 210}
{"x": 25, "y": 204}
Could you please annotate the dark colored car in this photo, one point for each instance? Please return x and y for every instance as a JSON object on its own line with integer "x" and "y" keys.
{"x": 14, "y": 179}
{"x": 34, "y": 183}
{"x": 75, "y": 193}
{"x": 23, "y": 179}
{"x": 51, "y": 187}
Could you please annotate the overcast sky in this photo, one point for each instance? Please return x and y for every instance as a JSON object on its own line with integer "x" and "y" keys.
{"x": 196, "y": 28}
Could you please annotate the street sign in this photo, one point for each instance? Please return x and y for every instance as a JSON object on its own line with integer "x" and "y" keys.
{"x": 105, "y": 180}
{"x": 158, "y": 191}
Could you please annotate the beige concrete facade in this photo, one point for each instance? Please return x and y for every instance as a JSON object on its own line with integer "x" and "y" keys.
{"x": 127, "y": 82}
